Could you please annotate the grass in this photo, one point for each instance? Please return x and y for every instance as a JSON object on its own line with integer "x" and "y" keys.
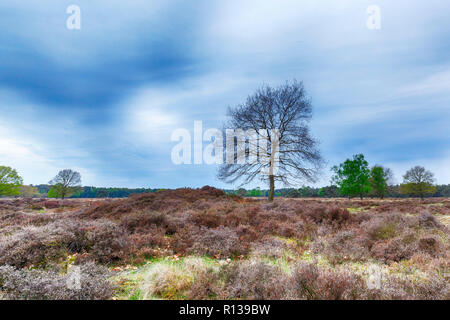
{"x": 162, "y": 278}
{"x": 356, "y": 210}
{"x": 387, "y": 231}
{"x": 444, "y": 219}
{"x": 172, "y": 279}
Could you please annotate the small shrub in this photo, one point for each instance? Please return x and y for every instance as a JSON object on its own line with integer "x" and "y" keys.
{"x": 427, "y": 220}
{"x": 219, "y": 242}
{"x": 430, "y": 245}
{"x": 313, "y": 283}
{"x": 329, "y": 215}
{"x": 177, "y": 222}
{"x": 36, "y": 206}
{"x": 209, "y": 219}
{"x": 51, "y": 204}
{"x": 52, "y": 285}
{"x": 143, "y": 221}
{"x": 102, "y": 240}
{"x": 344, "y": 246}
{"x": 257, "y": 280}
{"x": 432, "y": 287}
{"x": 270, "y": 247}
{"x": 108, "y": 242}
{"x": 385, "y": 226}
{"x": 393, "y": 250}
{"x": 166, "y": 281}
{"x": 206, "y": 285}
{"x": 36, "y": 245}
{"x": 246, "y": 234}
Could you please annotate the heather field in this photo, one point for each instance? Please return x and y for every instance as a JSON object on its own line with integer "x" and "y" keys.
{"x": 203, "y": 244}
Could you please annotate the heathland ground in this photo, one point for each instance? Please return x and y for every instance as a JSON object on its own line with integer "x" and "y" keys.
{"x": 204, "y": 244}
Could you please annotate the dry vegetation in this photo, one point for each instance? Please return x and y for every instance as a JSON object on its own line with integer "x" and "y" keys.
{"x": 203, "y": 244}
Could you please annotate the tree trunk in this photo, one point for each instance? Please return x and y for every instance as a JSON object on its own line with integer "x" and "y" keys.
{"x": 272, "y": 187}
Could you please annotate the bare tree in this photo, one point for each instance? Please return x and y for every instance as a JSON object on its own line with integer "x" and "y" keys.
{"x": 418, "y": 181}
{"x": 390, "y": 179}
{"x": 389, "y": 174}
{"x": 64, "y": 182}
{"x": 271, "y": 127}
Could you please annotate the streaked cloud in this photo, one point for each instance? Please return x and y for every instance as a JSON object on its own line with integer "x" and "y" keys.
{"x": 105, "y": 99}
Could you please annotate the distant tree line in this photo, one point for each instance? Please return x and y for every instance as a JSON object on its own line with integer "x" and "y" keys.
{"x": 352, "y": 178}
{"x": 303, "y": 192}
{"x": 66, "y": 184}
{"x": 38, "y": 191}
{"x": 95, "y": 192}
{"x": 355, "y": 179}
{"x": 331, "y": 192}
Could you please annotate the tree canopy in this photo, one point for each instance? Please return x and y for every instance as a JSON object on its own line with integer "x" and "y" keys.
{"x": 279, "y": 118}
{"x": 379, "y": 181}
{"x": 29, "y": 192}
{"x": 418, "y": 182}
{"x": 353, "y": 176}
{"x": 64, "y": 184}
{"x": 10, "y": 182}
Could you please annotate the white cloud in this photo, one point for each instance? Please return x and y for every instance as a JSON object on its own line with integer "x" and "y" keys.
{"x": 432, "y": 84}
{"x": 39, "y": 149}
{"x": 30, "y": 165}
{"x": 148, "y": 118}
{"x": 236, "y": 46}
{"x": 152, "y": 113}
{"x": 35, "y": 167}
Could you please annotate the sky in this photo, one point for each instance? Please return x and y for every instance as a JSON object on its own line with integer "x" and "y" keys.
{"x": 104, "y": 99}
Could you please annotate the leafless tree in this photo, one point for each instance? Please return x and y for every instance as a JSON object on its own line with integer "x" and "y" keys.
{"x": 65, "y": 180}
{"x": 418, "y": 174}
{"x": 390, "y": 178}
{"x": 418, "y": 181}
{"x": 285, "y": 149}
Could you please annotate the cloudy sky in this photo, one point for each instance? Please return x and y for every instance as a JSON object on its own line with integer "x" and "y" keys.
{"x": 105, "y": 99}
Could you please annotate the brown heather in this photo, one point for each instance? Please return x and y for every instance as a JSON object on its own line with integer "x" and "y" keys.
{"x": 38, "y": 236}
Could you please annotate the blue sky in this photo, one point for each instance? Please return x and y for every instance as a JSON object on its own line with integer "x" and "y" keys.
{"x": 105, "y": 99}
